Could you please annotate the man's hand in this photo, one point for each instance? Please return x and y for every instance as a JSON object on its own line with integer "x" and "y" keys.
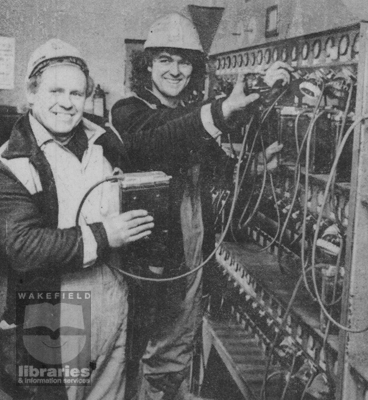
{"x": 276, "y": 72}
{"x": 238, "y": 100}
{"x": 127, "y": 227}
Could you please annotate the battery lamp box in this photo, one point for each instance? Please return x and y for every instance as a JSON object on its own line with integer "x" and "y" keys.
{"x": 147, "y": 191}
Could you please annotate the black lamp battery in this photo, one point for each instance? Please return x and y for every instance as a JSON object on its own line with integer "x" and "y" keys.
{"x": 148, "y": 191}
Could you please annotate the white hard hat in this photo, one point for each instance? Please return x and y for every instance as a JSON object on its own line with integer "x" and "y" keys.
{"x": 173, "y": 30}
{"x": 54, "y": 51}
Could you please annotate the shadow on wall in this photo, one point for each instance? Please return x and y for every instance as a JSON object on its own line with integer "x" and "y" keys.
{"x": 8, "y": 117}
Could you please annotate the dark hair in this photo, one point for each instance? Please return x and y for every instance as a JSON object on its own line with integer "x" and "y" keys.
{"x": 34, "y": 82}
{"x": 141, "y": 77}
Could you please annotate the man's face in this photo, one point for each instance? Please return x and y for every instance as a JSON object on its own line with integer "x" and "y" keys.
{"x": 170, "y": 74}
{"x": 59, "y": 101}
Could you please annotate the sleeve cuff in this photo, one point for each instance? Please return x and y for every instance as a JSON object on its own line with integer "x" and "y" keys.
{"x": 95, "y": 243}
{"x": 89, "y": 246}
{"x": 208, "y": 122}
{"x": 100, "y": 237}
{"x": 219, "y": 119}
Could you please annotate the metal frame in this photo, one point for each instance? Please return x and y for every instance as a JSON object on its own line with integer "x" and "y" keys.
{"x": 353, "y": 361}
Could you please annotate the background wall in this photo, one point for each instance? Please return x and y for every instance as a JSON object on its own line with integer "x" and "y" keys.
{"x": 99, "y": 27}
{"x": 96, "y": 27}
{"x": 244, "y": 21}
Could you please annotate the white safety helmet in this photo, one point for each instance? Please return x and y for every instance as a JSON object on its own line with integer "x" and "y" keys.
{"x": 54, "y": 51}
{"x": 173, "y": 30}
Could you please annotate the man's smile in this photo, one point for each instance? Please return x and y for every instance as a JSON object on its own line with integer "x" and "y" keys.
{"x": 173, "y": 81}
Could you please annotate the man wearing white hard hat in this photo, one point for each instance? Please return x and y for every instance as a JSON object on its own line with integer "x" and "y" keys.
{"x": 165, "y": 80}
{"x": 52, "y": 157}
{"x": 72, "y": 333}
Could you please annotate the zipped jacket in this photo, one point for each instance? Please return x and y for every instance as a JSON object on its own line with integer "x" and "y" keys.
{"x": 34, "y": 253}
{"x": 194, "y": 174}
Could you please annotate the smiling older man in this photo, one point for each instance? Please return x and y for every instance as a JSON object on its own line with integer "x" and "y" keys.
{"x": 54, "y": 155}
{"x": 50, "y": 160}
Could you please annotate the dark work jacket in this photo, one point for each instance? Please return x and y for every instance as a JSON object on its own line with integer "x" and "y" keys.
{"x": 34, "y": 249}
{"x": 145, "y": 113}
{"x": 34, "y": 253}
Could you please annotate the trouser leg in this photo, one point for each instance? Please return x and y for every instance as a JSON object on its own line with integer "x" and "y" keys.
{"x": 109, "y": 308}
{"x": 143, "y": 302}
{"x": 169, "y": 352}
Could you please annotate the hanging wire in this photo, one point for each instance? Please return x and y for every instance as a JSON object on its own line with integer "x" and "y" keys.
{"x": 201, "y": 265}
{"x": 326, "y": 194}
{"x": 307, "y": 387}
{"x": 297, "y": 174}
{"x": 338, "y": 142}
{"x": 305, "y": 208}
{"x": 255, "y": 208}
{"x": 288, "y": 378}
{"x": 259, "y": 198}
{"x": 269, "y": 377}
{"x": 240, "y": 160}
{"x": 278, "y": 215}
{"x": 279, "y": 332}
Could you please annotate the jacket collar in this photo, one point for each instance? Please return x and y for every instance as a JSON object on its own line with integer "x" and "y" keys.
{"x": 148, "y": 97}
{"x": 23, "y": 143}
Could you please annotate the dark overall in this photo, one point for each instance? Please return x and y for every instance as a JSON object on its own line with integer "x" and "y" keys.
{"x": 166, "y": 345}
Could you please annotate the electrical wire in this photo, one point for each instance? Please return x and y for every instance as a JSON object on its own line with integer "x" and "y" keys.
{"x": 246, "y": 168}
{"x": 297, "y": 161}
{"x": 297, "y": 175}
{"x": 306, "y": 137}
{"x": 305, "y": 208}
{"x": 290, "y": 210}
{"x": 296, "y": 128}
{"x": 231, "y": 145}
{"x": 197, "y": 268}
{"x": 263, "y": 118}
{"x": 255, "y": 208}
{"x": 278, "y": 215}
{"x": 280, "y": 330}
{"x": 296, "y": 187}
{"x": 240, "y": 160}
{"x": 338, "y": 262}
{"x": 334, "y": 301}
{"x": 288, "y": 378}
{"x": 329, "y": 370}
{"x": 250, "y": 155}
{"x": 278, "y": 333}
{"x": 259, "y": 198}
{"x": 310, "y": 380}
{"x": 345, "y": 115}
{"x": 250, "y": 194}
{"x": 326, "y": 194}
{"x": 250, "y": 158}
{"x": 338, "y": 141}
{"x": 224, "y": 196}
{"x": 242, "y": 152}
{"x": 274, "y": 373}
